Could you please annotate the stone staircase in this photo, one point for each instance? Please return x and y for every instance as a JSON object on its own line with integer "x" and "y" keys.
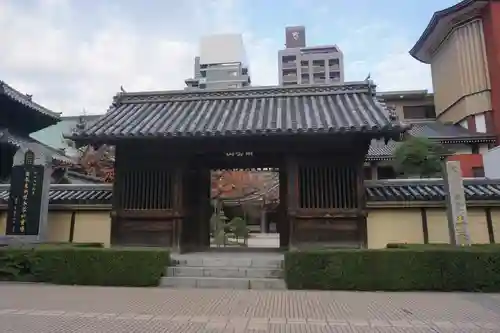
{"x": 229, "y": 271}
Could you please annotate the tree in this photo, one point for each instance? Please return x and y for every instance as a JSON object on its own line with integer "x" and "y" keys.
{"x": 97, "y": 163}
{"x": 419, "y": 157}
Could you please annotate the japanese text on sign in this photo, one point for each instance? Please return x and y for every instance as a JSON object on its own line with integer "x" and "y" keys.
{"x": 239, "y": 154}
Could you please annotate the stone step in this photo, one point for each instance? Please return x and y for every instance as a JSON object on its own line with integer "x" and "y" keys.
{"x": 225, "y": 272}
{"x": 219, "y": 282}
{"x": 229, "y": 262}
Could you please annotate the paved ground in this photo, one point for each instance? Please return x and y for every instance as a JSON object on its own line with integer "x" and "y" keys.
{"x": 54, "y": 309}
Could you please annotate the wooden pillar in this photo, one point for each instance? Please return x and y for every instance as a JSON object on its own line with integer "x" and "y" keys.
{"x": 117, "y": 192}
{"x": 178, "y": 210}
{"x": 263, "y": 216}
{"x": 362, "y": 217}
{"x": 205, "y": 208}
{"x": 196, "y": 209}
{"x": 289, "y": 193}
{"x": 188, "y": 230}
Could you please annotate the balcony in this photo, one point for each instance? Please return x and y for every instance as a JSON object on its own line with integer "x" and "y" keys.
{"x": 289, "y": 65}
{"x": 319, "y": 69}
{"x": 290, "y": 78}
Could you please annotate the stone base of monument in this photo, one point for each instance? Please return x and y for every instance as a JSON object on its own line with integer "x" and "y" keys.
{"x": 18, "y": 241}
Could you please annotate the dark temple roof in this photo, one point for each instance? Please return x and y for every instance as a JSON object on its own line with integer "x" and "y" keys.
{"x": 441, "y": 24}
{"x": 399, "y": 190}
{"x": 18, "y": 110}
{"x": 26, "y": 100}
{"x": 433, "y": 130}
{"x": 351, "y": 107}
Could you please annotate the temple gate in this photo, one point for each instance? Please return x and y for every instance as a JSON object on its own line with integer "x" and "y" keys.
{"x": 167, "y": 143}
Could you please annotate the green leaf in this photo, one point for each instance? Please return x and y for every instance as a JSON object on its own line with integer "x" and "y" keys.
{"x": 419, "y": 157}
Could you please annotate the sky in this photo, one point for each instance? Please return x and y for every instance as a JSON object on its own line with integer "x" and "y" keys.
{"x": 73, "y": 55}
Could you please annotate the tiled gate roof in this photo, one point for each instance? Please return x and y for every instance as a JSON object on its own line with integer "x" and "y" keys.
{"x": 242, "y": 112}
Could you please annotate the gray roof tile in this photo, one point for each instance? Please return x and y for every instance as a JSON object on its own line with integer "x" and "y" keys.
{"x": 429, "y": 189}
{"x": 376, "y": 191}
{"x": 379, "y": 150}
{"x": 250, "y": 111}
{"x": 442, "y": 132}
{"x": 431, "y": 129}
{"x": 86, "y": 194}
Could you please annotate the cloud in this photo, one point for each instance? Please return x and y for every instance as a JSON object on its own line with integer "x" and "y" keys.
{"x": 75, "y": 55}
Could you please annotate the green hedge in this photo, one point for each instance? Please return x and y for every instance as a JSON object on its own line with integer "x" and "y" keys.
{"x": 433, "y": 269}
{"x": 439, "y": 246}
{"x": 84, "y": 265}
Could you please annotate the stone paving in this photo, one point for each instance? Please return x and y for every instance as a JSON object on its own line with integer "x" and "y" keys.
{"x": 26, "y": 308}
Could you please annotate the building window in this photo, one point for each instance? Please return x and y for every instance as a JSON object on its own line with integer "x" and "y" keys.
{"x": 289, "y": 58}
{"x": 335, "y": 75}
{"x": 203, "y": 74}
{"x": 289, "y": 71}
{"x": 203, "y": 86}
{"x": 475, "y": 148}
{"x": 244, "y": 71}
{"x": 478, "y": 172}
{"x": 386, "y": 172}
{"x": 319, "y": 63}
{"x": 419, "y": 112}
{"x": 290, "y": 74}
{"x": 333, "y": 62}
{"x": 304, "y": 63}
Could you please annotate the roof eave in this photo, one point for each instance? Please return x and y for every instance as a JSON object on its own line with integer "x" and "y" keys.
{"x": 389, "y": 132}
{"x": 417, "y": 51}
{"x": 471, "y": 139}
{"x": 403, "y": 94}
{"x": 26, "y": 101}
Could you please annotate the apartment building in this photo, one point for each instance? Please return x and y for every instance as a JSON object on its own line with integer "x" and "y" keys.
{"x": 300, "y": 64}
{"x": 222, "y": 64}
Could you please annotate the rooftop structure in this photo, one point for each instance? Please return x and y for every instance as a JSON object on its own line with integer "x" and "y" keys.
{"x": 299, "y": 64}
{"x": 222, "y": 64}
{"x": 461, "y": 45}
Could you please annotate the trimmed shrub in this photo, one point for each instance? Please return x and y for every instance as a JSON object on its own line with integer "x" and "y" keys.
{"x": 93, "y": 245}
{"x": 16, "y": 264}
{"x": 440, "y": 246}
{"x": 434, "y": 269}
{"x": 84, "y": 265}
